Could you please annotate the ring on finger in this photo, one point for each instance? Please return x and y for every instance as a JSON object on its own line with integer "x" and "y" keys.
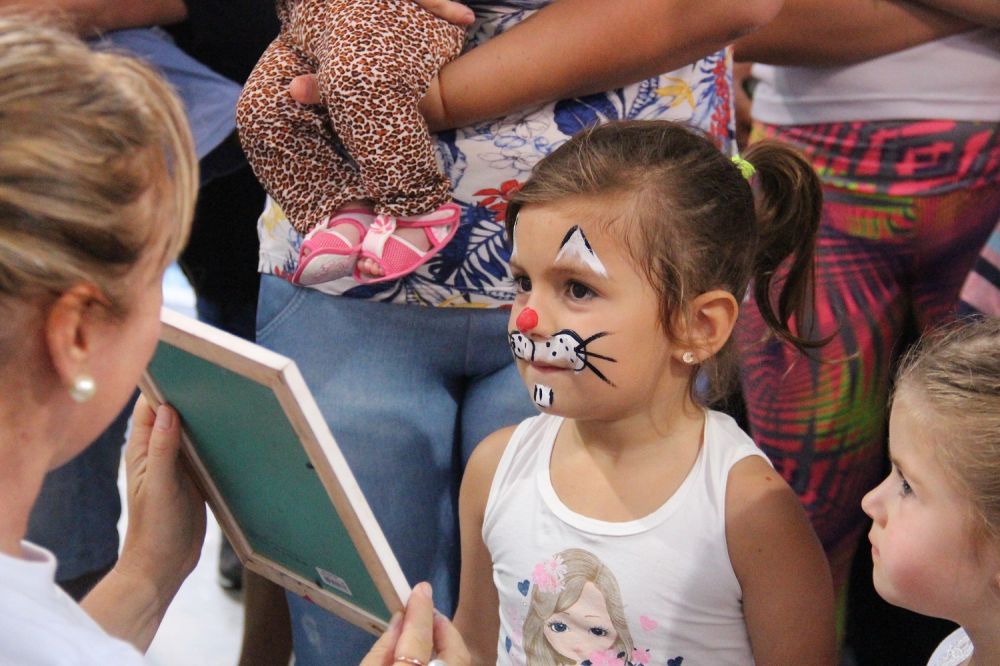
{"x": 437, "y": 662}
{"x": 410, "y": 660}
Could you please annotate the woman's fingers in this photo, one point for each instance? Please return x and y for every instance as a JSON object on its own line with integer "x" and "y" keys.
{"x": 382, "y": 652}
{"x": 448, "y": 643}
{"x": 416, "y": 641}
{"x": 305, "y": 89}
{"x": 453, "y": 12}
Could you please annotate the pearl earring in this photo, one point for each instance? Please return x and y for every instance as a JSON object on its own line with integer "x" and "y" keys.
{"x": 688, "y": 357}
{"x": 83, "y": 388}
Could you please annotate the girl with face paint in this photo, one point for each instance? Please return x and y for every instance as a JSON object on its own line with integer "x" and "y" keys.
{"x": 633, "y": 246}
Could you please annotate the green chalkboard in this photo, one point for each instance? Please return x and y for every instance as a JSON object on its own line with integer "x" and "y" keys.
{"x": 269, "y": 480}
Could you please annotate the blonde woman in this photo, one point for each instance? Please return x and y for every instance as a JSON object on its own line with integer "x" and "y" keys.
{"x": 97, "y": 183}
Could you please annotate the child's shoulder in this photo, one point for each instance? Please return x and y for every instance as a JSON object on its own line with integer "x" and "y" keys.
{"x": 487, "y": 455}
{"x": 498, "y": 448}
{"x": 488, "y": 452}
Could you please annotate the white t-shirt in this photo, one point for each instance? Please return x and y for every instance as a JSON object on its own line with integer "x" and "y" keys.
{"x": 957, "y": 78}
{"x": 953, "y": 650}
{"x": 668, "y": 588}
{"x": 41, "y": 625}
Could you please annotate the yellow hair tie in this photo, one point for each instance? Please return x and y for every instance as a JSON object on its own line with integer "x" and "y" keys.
{"x": 747, "y": 169}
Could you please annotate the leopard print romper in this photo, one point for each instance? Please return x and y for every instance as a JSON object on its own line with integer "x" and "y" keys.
{"x": 374, "y": 60}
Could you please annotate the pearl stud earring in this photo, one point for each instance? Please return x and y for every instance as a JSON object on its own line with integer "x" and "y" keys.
{"x": 688, "y": 357}
{"x": 83, "y": 388}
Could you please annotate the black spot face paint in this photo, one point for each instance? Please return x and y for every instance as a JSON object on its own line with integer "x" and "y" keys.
{"x": 565, "y": 349}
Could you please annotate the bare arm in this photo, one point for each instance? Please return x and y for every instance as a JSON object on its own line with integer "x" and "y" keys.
{"x": 576, "y": 47}
{"x": 823, "y": 33}
{"x": 478, "y": 614}
{"x": 981, "y": 12}
{"x": 787, "y": 589}
{"x": 166, "y": 529}
{"x": 93, "y": 16}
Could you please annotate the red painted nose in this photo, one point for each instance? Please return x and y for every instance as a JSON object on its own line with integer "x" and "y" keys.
{"x": 527, "y": 320}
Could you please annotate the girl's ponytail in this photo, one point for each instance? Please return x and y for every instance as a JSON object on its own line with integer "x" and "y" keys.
{"x": 788, "y": 202}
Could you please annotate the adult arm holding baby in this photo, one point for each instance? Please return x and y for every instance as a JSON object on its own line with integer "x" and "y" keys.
{"x": 527, "y": 67}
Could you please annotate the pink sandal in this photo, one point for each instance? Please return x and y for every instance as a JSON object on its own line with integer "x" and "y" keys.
{"x": 326, "y": 254}
{"x": 397, "y": 256}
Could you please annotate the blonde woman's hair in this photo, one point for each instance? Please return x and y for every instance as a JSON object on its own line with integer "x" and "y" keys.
{"x": 954, "y": 374}
{"x": 582, "y": 567}
{"x": 96, "y": 163}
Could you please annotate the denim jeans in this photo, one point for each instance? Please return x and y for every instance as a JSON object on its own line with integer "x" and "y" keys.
{"x": 407, "y": 391}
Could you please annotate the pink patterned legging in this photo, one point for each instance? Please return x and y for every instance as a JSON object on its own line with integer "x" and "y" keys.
{"x": 907, "y": 208}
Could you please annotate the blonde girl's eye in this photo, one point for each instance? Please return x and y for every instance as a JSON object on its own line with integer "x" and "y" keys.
{"x": 558, "y": 627}
{"x": 599, "y": 631}
{"x": 522, "y": 284}
{"x": 904, "y": 485}
{"x": 578, "y": 291}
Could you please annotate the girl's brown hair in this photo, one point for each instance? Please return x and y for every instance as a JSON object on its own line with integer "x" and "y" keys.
{"x": 692, "y": 221}
{"x": 96, "y": 162}
{"x": 954, "y": 374}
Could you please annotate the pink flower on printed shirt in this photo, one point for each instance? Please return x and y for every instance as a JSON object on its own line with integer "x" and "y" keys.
{"x": 640, "y": 657}
{"x": 548, "y": 575}
{"x": 383, "y": 224}
{"x": 606, "y": 658}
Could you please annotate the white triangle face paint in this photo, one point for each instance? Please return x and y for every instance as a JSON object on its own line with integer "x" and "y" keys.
{"x": 513, "y": 237}
{"x": 543, "y": 396}
{"x": 576, "y": 247}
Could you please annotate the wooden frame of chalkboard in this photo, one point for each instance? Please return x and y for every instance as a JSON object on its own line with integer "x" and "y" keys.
{"x": 272, "y": 473}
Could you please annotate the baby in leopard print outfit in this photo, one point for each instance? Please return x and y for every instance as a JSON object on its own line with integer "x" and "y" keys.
{"x": 374, "y": 60}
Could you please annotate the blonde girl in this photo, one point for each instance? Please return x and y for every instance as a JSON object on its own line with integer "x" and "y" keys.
{"x": 936, "y": 517}
{"x": 633, "y": 246}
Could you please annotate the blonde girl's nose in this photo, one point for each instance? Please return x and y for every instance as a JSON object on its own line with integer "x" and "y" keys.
{"x": 871, "y": 503}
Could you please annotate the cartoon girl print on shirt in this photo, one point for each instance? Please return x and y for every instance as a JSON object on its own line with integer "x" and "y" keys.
{"x": 576, "y": 616}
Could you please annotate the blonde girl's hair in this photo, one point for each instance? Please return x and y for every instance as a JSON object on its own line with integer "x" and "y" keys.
{"x": 581, "y": 568}
{"x": 954, "y": 374}
{"x": 693, "y": 223}
{"x": 96, "y": 163}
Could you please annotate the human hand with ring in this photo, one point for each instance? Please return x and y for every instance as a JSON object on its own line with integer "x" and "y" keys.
{"x": 419, "y": 637}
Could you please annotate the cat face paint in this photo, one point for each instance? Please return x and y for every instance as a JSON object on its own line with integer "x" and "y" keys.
{"x": 543, "y": 395}
{"x": 513, "y": 237}
{"x": 575, "y": 247}
{"x": 565, "y": 349}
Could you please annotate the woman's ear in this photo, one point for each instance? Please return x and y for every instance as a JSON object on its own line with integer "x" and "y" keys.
{"x": 69, "y": 331}
{"x": 710, "y": 323}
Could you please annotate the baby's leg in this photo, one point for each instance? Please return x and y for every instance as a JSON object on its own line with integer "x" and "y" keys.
{"x": 290, "y": 146}
{"x": 374, "y": 69}
{"x": 375, "y": 66}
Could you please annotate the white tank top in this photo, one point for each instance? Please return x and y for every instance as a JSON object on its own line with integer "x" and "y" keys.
{"x": 657, "y": 590}
{"x": 955, "y": 78}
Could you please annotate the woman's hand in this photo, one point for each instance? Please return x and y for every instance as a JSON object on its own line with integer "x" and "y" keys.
{"x": 166, "y": 513}
{"x": 452, "y": 12}
{"x": 419, "y": 635}
{"x": 166, "y": 528}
